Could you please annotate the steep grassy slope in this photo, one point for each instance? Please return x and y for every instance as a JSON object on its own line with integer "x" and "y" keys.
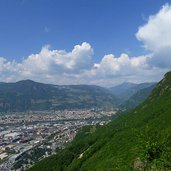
{"x": 138, "y": 140}
{"x": 30, "y": 95}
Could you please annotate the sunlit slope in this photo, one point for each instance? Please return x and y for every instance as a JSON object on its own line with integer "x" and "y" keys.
{"x": 138, "y": 140}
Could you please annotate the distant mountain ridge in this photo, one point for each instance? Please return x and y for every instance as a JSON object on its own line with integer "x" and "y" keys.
{"x": 29, "y": 95}
{"x": 126, "y": 90}
{"x": 121, "y": 88}
{"x": 137, "y": 98}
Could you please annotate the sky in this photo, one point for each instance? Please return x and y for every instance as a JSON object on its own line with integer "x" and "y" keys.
{"x": 102, "y": 42}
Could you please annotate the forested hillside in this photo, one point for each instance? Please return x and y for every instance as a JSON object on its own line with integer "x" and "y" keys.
{"x": 29, "y": 95}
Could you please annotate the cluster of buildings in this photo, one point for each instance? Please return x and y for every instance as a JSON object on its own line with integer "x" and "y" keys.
{"x": 34, "y": 116}
{"x": 27, "y": 139}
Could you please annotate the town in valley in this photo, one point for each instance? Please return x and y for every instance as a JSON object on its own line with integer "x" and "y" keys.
{"x": 28, "y": 137}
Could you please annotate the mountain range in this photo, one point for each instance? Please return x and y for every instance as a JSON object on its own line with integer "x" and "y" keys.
{"x": 137, "y": 140}
{"x": 137, "y": 98}
{"x": 125, "y": 90}
{"x": 29, "y": 95}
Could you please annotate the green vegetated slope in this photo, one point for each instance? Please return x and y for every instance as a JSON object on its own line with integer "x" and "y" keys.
{"x": 29, "y": 95}
{"x": 137, "y": 140}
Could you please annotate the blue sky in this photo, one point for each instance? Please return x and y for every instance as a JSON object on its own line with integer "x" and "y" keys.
{"x": 108, "y": 26}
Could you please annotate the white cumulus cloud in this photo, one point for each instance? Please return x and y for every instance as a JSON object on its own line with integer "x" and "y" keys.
{"x": 156, "y": 36}
{"x": 49, "y": 65}
{"x": 116, "y": 66}
{"x": 78, "y": 67}
{"x": 57, "y": 61}
{"x": 113, "y": 70}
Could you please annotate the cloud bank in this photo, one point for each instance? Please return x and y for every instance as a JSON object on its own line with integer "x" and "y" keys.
{"x": 78, "y": 67}
{"x": 156, "y": 37}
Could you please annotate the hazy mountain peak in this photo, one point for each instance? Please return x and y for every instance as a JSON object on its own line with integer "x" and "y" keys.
{"x": 127, "y": 89}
